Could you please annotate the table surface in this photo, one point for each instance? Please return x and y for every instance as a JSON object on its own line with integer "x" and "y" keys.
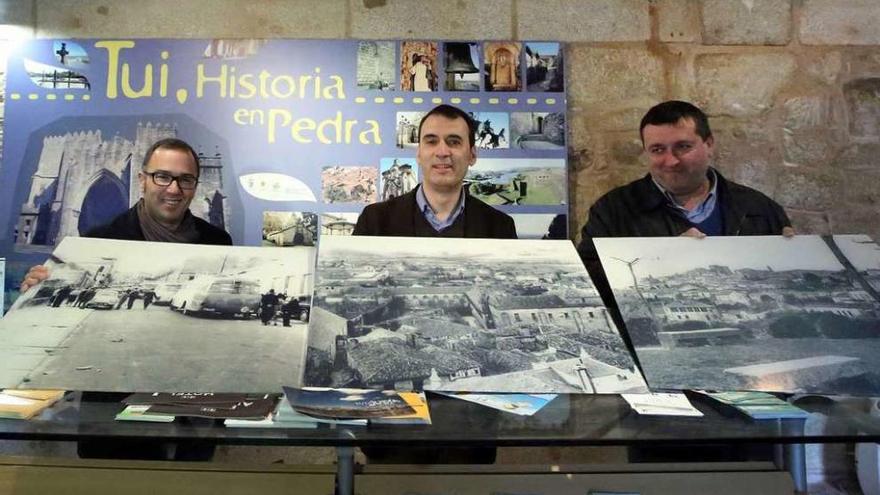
{"x": 569, "y": 420}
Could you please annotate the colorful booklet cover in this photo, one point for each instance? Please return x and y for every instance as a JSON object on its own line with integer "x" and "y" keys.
{"x": 351, "y": 403}
{"x": 759, "y": 405}
{"x": 522, "y": 404}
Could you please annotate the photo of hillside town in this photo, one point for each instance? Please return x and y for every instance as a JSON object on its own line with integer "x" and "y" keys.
{"x": 758, "y": 313}
{"x": 439, "y": 314}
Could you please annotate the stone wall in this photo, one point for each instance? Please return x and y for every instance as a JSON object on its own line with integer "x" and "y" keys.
{"x": 792, "y": 86}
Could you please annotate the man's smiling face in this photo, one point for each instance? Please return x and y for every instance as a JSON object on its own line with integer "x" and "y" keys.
{"x": 168, "y": 204}
{"x": 444, "y": 153}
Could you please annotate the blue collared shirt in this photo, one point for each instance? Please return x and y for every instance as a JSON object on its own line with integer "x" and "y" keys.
{"x": 704, "y": 209}
{"x": 436, "y": 223}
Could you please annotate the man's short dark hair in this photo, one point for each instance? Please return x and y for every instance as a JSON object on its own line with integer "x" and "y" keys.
{"x": 451, "y": 112}
{"x": 172, "y": 144}
{"x": 671, "y": 112}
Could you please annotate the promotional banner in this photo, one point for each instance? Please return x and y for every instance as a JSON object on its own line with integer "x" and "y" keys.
{"x": 295, "y": 137}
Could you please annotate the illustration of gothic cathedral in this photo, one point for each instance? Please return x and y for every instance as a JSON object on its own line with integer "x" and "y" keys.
{"x": 83, "y": 181}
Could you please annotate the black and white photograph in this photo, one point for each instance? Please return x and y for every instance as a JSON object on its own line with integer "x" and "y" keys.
{"x": 338, "y": 223}
{"x": 544, "y": 67}
{"x": 441, "y": 314}
{"x": 290, "y": 228}
{"x": 462, "y": 66}
{"x": 537, "y": 130}
{"x": 518, "y": 181}
{"x": 376, "y": 65}
{"x": 408, "y": 129}
{"x": 767, "y": 313}
{"x": 133, "y": 316}
{"x": 493, "y": 130}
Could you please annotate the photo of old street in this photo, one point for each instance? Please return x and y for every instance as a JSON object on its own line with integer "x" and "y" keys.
{"x": 754, "y": 313}
{"x": 138, "y": 316}
{"x": 438, "y": 314}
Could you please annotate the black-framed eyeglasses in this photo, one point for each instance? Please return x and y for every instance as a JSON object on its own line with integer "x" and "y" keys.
{"x": 164, "y": 179}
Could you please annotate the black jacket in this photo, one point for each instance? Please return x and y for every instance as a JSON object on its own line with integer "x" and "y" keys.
{"x": 398, "y": 216}
{"x": 126, "y": 227}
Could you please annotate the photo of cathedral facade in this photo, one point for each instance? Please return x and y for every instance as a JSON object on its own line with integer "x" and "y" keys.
{"x": 84, "y": 179}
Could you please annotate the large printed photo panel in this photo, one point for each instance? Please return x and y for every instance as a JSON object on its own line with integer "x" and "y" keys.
{"x": 123, "y": 316}
{"x": 462, "y": 315}
{"x": 799, "y": 315}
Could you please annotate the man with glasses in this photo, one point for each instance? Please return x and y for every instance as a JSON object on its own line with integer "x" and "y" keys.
{"x": 682, "y": 195}
{"x": 168, "y": 179}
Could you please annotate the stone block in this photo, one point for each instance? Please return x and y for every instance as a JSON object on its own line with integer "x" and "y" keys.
{"x": 813, "y": 148}
{"x": 679, "y": 21}
{"x": 755, "y": 22}
{"x": 851, "y": 218}
{"x": 191, "y": 19}
{"x": 584, "y": 20}
{"x": 810, "y": 222}
{"x": 812, "y": 112}
{"x": 610, "y": 79}
{"x": 863, "y": 104}
{"x": 835, "y": 22}
{"x": 862, "y": 188}
{"x": 627, "y": 119}
{"x": 753, "y": 171}
{"x": 859, "y": 157}
{"x": 625, "y": 150}
{"x": 746, "y": 152}
{"x": 442, "y": 19}
{"x": 824, "y": 66}
{"x": 741, "y": 84}
{"x": 813, "y": 129}
{"x": 808, "y": 190}
{"x": 16, "y": 15}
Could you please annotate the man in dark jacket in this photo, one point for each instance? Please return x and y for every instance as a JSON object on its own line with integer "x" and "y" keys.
{"x": 168, "y": 179}
{"x": 680, "y": 195}
{"x": 440, "y": 206}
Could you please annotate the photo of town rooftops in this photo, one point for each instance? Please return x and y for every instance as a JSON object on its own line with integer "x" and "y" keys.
{"x": 442, "y": 314}
{"x": 798, "y": 315}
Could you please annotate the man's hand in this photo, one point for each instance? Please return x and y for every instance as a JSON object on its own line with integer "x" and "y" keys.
{"x": 34, "y": 276}
{"x": 693, "y": 232}
{"x": 788, "y": 232}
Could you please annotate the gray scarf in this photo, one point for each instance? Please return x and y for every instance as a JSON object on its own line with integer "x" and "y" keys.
{"x": 156, "y": 232}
